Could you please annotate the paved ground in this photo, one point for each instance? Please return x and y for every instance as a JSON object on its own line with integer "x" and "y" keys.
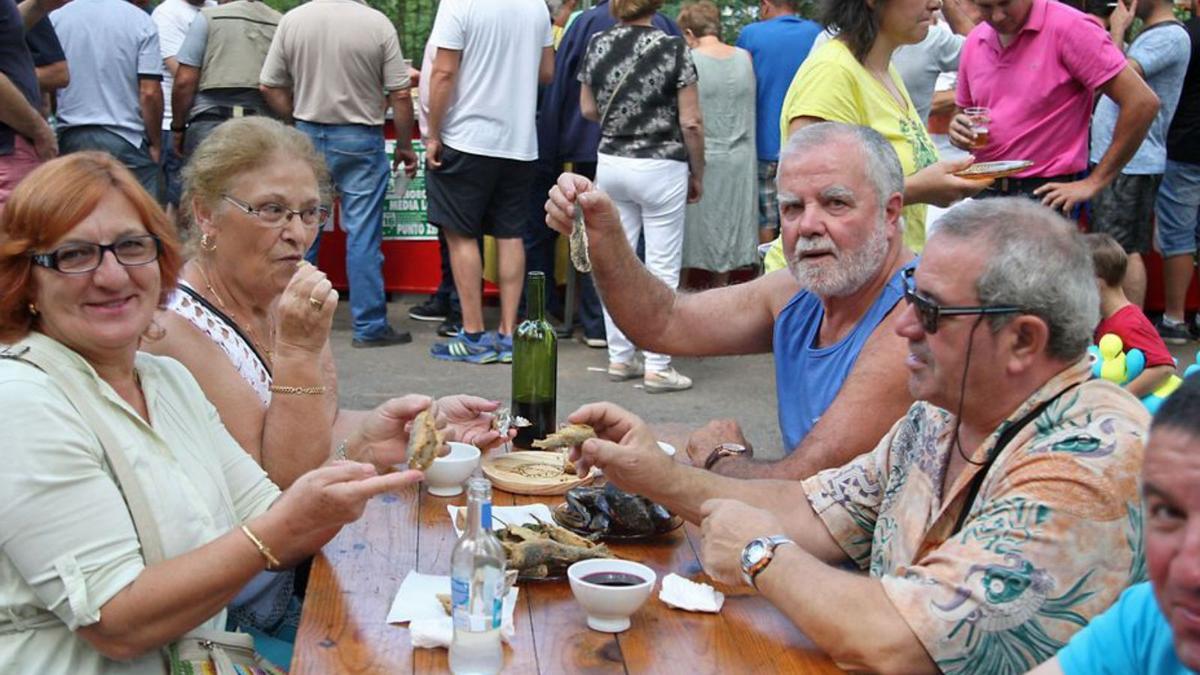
{"x": 739, "y": 387}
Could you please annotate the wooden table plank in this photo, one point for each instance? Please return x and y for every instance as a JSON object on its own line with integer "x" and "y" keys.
{"x": 351, "y": 587}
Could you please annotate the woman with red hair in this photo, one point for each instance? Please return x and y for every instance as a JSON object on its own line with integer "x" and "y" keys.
{"x": 87, "y": 259}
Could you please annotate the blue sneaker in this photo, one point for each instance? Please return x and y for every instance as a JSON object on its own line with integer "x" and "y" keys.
{"x": 463, "y": 348}
{"x": 503, "y": 345}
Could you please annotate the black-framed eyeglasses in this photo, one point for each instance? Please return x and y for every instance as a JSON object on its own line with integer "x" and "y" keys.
{"x": 274, "y": 214}
{"x": 931, "y": 312}
{"x": 83, "y": 257}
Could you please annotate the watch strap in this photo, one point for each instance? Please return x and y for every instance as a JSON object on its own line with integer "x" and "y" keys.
{"x": 726, "y": 450}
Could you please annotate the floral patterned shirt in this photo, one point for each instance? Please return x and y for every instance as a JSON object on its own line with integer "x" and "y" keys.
{"x": 1052, "y": 538}
{"x": 651, "y": 67}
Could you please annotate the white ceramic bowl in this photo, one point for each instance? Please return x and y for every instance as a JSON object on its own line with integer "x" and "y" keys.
{"x": 609, "y": 607}
{"x": 445, "y": 477}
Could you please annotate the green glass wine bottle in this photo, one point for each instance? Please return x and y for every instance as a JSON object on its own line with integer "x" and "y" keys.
{"x": 535, "y": 366}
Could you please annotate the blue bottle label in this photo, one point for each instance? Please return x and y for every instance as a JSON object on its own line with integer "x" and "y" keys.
{"x": 460, "y": 602}
{"x": 485, "y": 517}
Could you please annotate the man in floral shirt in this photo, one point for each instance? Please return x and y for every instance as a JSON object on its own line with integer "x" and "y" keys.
{"x": 996, "y": 517}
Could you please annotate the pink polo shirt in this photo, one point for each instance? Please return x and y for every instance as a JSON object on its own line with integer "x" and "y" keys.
{"x": 1039, "y": 88}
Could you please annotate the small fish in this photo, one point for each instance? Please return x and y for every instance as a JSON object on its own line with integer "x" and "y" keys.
{"x": 579, "y": 243}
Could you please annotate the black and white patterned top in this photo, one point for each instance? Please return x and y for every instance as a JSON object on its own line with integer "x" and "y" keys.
{"x": 643, "y": 120}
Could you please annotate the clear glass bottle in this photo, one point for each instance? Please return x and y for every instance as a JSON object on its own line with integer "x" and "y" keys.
{"x": 535, "y": 366}
{"x": 477, "y": 588}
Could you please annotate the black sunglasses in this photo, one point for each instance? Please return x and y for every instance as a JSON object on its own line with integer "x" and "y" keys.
{"x": 931, "y": 312}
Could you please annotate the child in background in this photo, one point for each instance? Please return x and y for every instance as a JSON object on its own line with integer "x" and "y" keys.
{"x": 1125, "y": 319}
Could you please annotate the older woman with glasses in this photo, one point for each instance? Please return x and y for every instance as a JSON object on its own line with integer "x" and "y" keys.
{"x": 251, "y": 320}
{"x": 93, "y": 579}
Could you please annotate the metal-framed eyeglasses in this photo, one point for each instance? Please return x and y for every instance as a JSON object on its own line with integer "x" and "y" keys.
{"x": 274, "y": 214}
{"x": 930, "y": 312}
{"x": 83, "y": 257}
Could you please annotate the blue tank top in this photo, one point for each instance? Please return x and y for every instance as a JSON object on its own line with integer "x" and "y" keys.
{"x": 807, "y": 378}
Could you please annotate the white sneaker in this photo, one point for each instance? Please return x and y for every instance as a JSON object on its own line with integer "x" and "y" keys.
{"x": 619, "y": 372}
{"x": 666, "y": 380}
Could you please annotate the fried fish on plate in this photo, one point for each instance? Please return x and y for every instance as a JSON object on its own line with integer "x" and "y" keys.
{"x": 569, "y": 436}
{"x": 424, "y": 441}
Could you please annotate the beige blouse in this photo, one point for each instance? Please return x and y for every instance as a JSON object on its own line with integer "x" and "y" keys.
{"x": 67, "y": 542}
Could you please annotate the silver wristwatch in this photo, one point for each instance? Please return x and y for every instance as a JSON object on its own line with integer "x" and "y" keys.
{"x": 758, "y": 554}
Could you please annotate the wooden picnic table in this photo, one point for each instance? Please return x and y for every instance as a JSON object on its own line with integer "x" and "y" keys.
{"x": 356, "y": 576}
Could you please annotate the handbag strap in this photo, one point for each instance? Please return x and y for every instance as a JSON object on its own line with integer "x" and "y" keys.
{"x": 1006, "y": 437}
{"x": 131, "y": 488}
{"x": 636, "y": 57}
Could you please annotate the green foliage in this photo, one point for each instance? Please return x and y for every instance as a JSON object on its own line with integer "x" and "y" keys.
{"x": 414, "y": 18}
{"x": 735, "y": 14}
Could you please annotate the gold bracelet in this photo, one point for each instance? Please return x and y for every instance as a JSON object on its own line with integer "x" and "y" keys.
{"x": 305, "y": 391}
{"x": 272, "y": 561}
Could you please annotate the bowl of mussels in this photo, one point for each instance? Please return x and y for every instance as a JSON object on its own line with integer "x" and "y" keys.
{"x": 609, "y": 513}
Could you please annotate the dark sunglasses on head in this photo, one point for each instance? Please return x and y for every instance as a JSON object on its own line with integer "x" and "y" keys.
{"x": 931, "y": 312}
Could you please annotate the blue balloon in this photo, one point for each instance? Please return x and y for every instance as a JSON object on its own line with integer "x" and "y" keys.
{"x": 1096, "y": 359}
{"x": 1152, "y": 403}
{"x": 1135, "y": 363}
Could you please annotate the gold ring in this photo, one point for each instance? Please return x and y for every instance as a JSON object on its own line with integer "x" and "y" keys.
{"x": 317, "y": 304}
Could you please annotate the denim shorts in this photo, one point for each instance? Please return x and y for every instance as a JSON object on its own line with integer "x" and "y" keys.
{"x": 1177, "y": 209}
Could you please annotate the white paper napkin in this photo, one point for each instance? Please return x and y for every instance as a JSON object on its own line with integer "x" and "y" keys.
{"x": 510, "y": 515}
{"x": 416, "y": 603}
{"x": 682, "y": 593}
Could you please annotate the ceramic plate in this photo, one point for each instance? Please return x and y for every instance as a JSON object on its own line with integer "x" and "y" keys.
{"x": 1000, "y": 169}
{"x": 531, "y": 472}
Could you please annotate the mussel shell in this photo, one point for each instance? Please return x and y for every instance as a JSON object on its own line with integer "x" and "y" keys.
{"x": 630, "y": 513}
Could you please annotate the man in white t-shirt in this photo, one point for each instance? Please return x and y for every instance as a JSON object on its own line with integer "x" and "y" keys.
{"x": 480, "y": 149}
{"x": 172, "y": 18}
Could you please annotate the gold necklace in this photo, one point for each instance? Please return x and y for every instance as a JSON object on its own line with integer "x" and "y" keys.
{"x": 221, "y": 303}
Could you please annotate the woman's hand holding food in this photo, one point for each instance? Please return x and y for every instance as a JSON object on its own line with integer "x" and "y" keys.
{"x": 624, "y": 449}
{"x": 306, "y": 310}
{"x": 382, "y": 438}
{"x": 320, "y": 502}
{"x": 469, "y": 419}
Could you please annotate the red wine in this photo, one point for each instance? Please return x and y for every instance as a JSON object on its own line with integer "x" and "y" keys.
{"x": 541, "y": 416}
{"x": 613, "y": 579}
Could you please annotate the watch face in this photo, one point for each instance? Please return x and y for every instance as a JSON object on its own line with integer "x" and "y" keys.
{"x": 753, "y": 552}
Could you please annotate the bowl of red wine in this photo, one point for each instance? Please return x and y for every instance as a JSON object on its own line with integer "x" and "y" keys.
{"x": 610, "y": 591}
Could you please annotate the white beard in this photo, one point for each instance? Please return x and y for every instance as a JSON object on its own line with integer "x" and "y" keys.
{"x": 849, "y": 271}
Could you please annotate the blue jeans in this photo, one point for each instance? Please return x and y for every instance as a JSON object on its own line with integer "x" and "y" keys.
{"x": 172, "y": 164}
{"x": 360, "y": 174}
{"x": 136, "y": 159}
{"x": 1178, "y": 209}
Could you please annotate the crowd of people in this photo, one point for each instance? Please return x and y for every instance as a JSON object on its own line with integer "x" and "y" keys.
{"x": 959, "y": 491}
